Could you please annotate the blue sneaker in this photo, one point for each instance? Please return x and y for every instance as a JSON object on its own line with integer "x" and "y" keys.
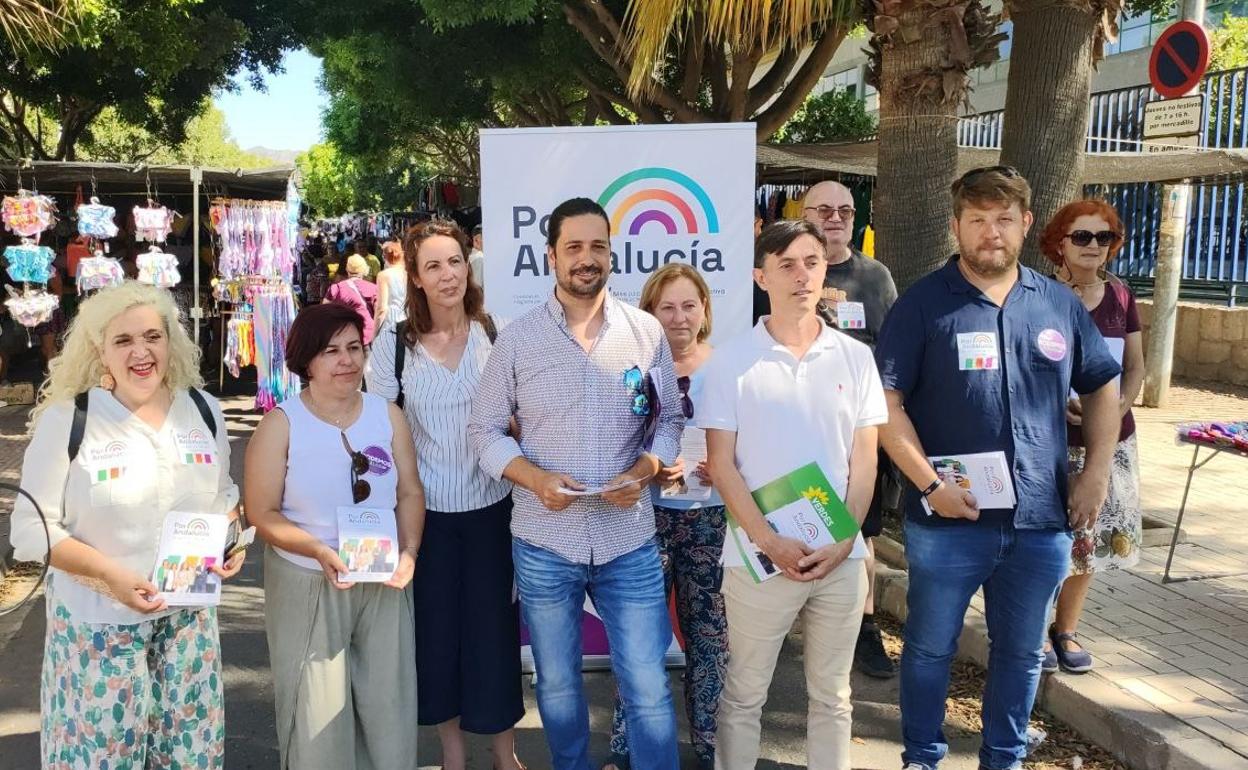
{"x": 1077, "y": 661}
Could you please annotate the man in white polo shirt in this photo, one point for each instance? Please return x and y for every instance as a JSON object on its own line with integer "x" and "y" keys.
{"x": 790, "y": 392}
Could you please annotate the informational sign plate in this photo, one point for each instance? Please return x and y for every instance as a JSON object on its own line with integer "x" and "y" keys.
{"x": 1174, "y": 117}
{"x": 1171, "y": 144}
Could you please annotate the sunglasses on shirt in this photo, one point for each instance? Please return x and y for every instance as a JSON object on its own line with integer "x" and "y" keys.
{"x": 635, "y": 382}
{"x": 360, "y": 488}
{"x": 686, "y": 403}
{"x": 1103, "y": 238}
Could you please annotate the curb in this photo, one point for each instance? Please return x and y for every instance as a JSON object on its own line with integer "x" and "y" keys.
{"x": 1130, "y": 728}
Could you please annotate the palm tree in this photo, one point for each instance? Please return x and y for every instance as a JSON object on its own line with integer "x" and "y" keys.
{"x": 37, "y": 23}
{"x": 1057, "y": 44}
{"x": 696, "y": 60}
{"x": 923, "y": 51}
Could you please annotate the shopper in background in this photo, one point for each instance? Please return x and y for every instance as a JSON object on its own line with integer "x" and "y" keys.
{"x": 357, "y": 293}
{"x": 391, "y": 287}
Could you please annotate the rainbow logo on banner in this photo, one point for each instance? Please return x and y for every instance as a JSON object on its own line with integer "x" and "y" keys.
{"x": 368, "y": 517}
{"x": 197, "y": 527}
{"x": 656, "y": 204}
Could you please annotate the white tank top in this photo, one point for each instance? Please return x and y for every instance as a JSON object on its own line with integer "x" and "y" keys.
{"x": 318, "y": 469}
{"x": 396, "y": 306}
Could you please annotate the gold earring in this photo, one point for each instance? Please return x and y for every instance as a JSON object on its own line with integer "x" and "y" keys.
{"x": 107, "y": 381}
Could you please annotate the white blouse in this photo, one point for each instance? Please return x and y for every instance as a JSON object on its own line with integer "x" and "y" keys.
{"x": 114, "y": 496}
{"x": 437, "y": 403}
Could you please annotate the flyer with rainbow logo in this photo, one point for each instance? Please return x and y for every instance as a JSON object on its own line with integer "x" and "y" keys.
{"x": 191, "y": 544}
{"x": 368, "y": 543}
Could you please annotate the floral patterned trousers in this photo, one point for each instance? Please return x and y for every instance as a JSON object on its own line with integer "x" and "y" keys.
{"x": 690, "y": 542}
{"x": 132, "y": 696}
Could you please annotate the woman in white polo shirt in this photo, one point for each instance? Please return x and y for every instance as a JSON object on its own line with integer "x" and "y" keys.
{"x": 688, "y": 517}
{"x": 126, "y": 678}
{"x": 341, "y": 651}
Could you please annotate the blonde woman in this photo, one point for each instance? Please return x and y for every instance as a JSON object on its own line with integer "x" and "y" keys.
{"x": 126, "y": 678}
{"x": 688, "y": 518}
{"x": 391, "y": 287}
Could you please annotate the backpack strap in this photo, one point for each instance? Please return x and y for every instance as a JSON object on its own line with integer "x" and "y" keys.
{"x": 79, "y": 426}
{"x": 400, "y": 358}
{"x": 491, "y": 330}
{"x": 205, "y": 411}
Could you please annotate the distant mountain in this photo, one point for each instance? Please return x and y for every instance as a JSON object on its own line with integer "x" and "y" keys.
{"x": 278, "y": 157}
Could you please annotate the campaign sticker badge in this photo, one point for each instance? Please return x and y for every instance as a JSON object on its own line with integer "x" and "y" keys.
{"x": 107, "y": 462}
{"x": 195, "y": 447}
{"x": 851, "y": 315}
{"x": 379, "y": 460}
{"x": 1052, "y": 344}
{"x": 978, "y": 351}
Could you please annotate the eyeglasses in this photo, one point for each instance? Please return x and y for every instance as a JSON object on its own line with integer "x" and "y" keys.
{"x": 635, "y": 382}
{"x": 1103, "y": 238}
{"x": 360, "y": 488}
{"x": 846, "y": 213}
{"x": 686, "y": 403}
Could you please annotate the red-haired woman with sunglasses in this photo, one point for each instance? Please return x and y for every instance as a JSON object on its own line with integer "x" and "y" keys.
{"x": 1080, "y": 241}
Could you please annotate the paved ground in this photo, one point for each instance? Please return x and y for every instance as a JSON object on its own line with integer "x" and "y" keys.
{"x": 1181, "y": 647}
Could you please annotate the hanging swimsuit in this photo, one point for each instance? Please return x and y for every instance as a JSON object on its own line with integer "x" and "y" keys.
{"x": 31, "y": 307}
{"x": 158, "y": 269}
{"x": 29, "y": 263}
{"x": 28, "y": 215}
{"x": 96, "y": 220}
{"x": 152, "y": 223}
{"x": 99, "y": 272}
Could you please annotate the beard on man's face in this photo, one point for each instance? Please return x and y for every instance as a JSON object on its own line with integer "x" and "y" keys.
{"x": 990, "y": 261}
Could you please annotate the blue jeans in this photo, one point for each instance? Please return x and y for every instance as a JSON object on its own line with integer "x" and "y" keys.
{"x": 1020, "y": 571}
{"x": 629, "y": 595}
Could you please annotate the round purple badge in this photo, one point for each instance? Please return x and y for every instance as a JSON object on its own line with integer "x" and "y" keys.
{"x": 379, "y": 462}
{"x": 1052, "y": 344}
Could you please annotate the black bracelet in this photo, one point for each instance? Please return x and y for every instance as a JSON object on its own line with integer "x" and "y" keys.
{"x": 932, "y": 487}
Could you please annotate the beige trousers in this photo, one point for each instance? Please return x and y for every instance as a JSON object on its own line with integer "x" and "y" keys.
{"x": 344, "y": 670}
{"x": 759, "y": 617}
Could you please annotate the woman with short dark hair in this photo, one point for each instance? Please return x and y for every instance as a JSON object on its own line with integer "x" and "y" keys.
{"x": 342, "y": 652}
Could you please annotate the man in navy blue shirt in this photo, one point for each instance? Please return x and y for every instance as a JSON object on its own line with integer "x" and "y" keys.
{"x": 977, "y": 360}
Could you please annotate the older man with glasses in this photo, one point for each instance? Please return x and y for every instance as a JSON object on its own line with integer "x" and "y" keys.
{"x": 857, "y": 293}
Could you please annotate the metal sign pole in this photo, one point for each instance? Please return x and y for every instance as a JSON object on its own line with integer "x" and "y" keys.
{"x": 197, "y": 313}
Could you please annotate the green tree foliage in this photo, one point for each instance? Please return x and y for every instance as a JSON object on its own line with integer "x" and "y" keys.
{"x": 409, "y": 80}
{"x": 208, "y": 143}
{"x": 330, "y": 181}
{"x": 1229, "y": 44}
{"x": 837, "y": 115}
{"x": 152, "y": 61}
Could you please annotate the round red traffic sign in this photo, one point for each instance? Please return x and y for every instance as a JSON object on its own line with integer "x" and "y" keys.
{"x": 1179, "y": 59}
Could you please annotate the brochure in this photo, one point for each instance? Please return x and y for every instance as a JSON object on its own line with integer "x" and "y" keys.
{"x": 594, "y": 490}
{"x": 191, "y": 544}
{"x": 802, "y": 505}
{"x": 691, "y": 487}
{"x": 368, "y": 543}
{"x": 986, "y": 475}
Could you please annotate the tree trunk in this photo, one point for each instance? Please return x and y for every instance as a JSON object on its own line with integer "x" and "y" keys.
{"x": 1047, "y": 106}
{"x": 918, "y": 152}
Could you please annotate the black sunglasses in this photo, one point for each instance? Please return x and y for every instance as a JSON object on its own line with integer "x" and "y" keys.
{"x": 1103, "y": 238}
{"x": 360, "y": 488}
{"x": 686, "y": 403}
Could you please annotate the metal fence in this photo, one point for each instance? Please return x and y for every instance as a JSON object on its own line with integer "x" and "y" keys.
{"x": 1217, "y": 235}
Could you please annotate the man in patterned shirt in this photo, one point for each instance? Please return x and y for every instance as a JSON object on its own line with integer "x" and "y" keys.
{"x": 589, "y": 379}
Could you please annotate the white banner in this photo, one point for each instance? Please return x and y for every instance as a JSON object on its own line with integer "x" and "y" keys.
{"x": 673, "y": 193}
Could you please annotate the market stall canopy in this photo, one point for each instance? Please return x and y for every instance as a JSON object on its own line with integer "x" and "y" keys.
{"x": 781, "y": 163}
{"x": 63, "y": 178}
